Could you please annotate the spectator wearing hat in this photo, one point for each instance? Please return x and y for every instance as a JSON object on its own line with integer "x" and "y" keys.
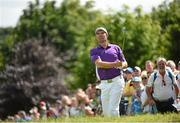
{"x": 127, "y": 93}
{"x": 162, "y": 88}
{"x": 109, "y": 60}
{"x": 128, "y": 74}
{"x": 136, "y": 97}
{"x": 137, "y": 71}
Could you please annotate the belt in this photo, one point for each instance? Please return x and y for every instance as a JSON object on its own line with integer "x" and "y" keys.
{"x": 111, "y": 80}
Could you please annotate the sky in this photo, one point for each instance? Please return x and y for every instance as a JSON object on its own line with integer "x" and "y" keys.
{"x": 11, "y": 10}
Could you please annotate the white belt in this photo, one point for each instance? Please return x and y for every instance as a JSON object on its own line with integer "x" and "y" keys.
{"x": 111, "y": 80}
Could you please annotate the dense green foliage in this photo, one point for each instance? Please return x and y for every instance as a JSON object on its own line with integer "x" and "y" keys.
{"x": 5, "y": 46}
{"x": 168, "y": 15}
{"x": 69, "y": 29}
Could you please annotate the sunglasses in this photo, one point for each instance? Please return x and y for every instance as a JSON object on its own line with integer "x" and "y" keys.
{"x": 143, "y": 78}
{"x": 163, "y": 82}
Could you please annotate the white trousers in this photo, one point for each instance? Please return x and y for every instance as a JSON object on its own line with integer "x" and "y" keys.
{"x": 111, "y": 93}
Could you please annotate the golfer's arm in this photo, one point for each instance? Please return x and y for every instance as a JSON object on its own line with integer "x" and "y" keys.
{"x": 103, "y": 64}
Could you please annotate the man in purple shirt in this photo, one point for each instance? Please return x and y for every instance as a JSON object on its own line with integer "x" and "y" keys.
{"x": 109, "y": 61}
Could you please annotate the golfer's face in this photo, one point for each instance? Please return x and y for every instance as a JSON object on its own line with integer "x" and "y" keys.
{"x": 101, "y": 36}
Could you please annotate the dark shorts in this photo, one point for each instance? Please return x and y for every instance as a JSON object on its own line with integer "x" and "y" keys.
{"x": 165, "y": 106}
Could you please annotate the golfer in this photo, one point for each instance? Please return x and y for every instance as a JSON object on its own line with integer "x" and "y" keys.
{"x": 109, "y": 60}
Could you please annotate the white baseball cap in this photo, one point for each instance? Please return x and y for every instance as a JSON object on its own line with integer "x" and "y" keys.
{"x": 137, "y": 68}
{"x": 102, "y": 29}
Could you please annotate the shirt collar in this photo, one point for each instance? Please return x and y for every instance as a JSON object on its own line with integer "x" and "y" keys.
{"x": 109, "y": 45}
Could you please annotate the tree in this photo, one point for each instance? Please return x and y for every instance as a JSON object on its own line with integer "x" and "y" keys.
{"x": 64, "y": 27}
{"x": 137, "y": 34}
{"x": 32, "y": 75}
{"x": 5, "y": 46}
{"x": 168, "y": 14}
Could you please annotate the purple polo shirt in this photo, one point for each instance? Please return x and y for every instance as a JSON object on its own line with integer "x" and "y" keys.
{"x": 110, "y": 54}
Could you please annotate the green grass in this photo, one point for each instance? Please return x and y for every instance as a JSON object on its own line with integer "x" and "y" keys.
{"x": 170, "y": 117}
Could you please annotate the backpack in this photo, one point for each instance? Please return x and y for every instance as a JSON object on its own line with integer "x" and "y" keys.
{"x": 169, "y": 74}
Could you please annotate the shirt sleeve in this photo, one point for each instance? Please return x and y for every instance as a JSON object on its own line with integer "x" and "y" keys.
{"x": 120, "y": 54}
{"x": 94, "y": 55}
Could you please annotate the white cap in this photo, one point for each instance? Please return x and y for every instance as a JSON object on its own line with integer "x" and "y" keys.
{"x": 137, "y": 68}
{"x": 102, "y": 29}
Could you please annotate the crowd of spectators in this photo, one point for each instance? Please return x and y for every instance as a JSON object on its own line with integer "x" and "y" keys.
{"x": 88, "y": 102}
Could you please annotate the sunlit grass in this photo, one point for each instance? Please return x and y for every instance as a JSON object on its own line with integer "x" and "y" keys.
{"x": 170, "y": 117}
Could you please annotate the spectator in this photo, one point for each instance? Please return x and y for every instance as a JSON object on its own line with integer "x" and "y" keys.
{"x": 136, "y": 97}
{"x": 137, "y": 71}
{"x": 42, "y": 109}
{"x": 34, "y": 113}
{"x": 95, "y": 101}
{"x": 88, "y": 90}
{"x": 66, "y": 103}
{"x": 22, "y": 117}
{"x": 91, "y": 90}
{"x": 149, "y": 66}
{"x": 127, "y": 93}
{"x": 84, "y": 103}
{"x": 178, "y": 67}
{"x": 178, "y": 82}
{"x": 58, "y": 107}
{"x": 162, "y": 87}
{"x": 144, "y": 98}
{"x": 9, "y": 119}
{"x": 172, "y": 65}
{"x": 51, "y": 112}
{"x": 74, "y": 109}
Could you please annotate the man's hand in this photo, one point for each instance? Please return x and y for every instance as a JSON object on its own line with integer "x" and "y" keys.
{"x": 118, "y": 64}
